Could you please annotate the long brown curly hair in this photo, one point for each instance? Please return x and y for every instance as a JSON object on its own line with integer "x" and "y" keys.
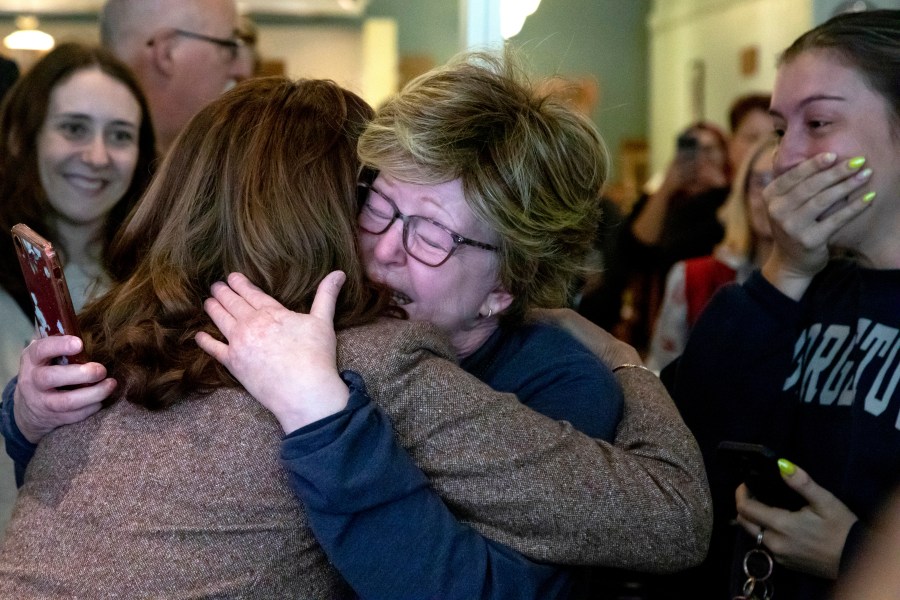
{"x": 262, "y": 181}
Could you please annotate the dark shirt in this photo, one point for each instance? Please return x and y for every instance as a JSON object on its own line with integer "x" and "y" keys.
{"x": 815, "y": 380}
{"x": 551, "y": 373}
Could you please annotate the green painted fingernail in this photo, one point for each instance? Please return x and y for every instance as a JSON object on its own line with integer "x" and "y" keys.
{"x": 856, "y": 162}
{"x": 868, "y": 197}
{"x": 786, "y": 467}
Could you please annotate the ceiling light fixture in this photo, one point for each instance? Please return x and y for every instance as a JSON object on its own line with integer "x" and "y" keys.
{"x": 513, "y": 14}
{"x": 28, "y": 37}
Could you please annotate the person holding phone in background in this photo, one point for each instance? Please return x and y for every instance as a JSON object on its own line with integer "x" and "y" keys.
{"x": 803, "y": 357}
{"x": 76, "y": 152}
{"x": 674, "y": 222}
{"x": 678, "y": 219}
{"x": 746, "y": 244}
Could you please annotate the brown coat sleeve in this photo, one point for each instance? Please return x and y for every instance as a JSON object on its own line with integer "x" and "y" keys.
{"x": 536, "y": 484}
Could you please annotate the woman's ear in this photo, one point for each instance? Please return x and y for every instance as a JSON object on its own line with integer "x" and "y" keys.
{"x": 497, "y": 301}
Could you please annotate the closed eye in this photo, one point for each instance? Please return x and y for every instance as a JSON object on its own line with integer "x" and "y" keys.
{"x": 374, "y": 212}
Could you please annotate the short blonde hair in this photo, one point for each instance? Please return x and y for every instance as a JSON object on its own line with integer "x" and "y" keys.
{"x": 531, "y": 168}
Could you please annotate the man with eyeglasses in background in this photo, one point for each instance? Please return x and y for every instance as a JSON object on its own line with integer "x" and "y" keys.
{"x": 184, "y": 53}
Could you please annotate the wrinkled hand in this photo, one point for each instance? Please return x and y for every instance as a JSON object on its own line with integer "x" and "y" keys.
{"x": 40, "y": 403}
{"x": 286, "y": 360}
{"x": 806, "y": 206}
{"x": 610, "y": 350}
{"x": 809, "y": 540}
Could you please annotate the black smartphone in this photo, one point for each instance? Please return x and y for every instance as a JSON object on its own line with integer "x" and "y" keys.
{"x": 46, "y": 283}
{"x": 757, "y": 466}
{"x": 686, "y": 146}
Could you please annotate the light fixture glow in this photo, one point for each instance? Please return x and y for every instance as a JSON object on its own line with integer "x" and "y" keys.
{"x": 513, "y": 14}
{"x": 28, "y": 37}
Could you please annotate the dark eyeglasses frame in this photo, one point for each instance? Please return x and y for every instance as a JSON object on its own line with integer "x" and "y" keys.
{"x": 232, "y": 44}
{"x": 364, "y": 188}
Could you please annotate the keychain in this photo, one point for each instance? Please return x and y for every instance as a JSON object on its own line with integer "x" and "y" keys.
{"x": 758, "y": 565}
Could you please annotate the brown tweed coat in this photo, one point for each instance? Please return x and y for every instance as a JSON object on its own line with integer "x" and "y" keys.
{"x": 191, "y": 502}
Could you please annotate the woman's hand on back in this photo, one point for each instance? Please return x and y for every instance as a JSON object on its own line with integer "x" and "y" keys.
{"x": 286, "y": 360}
{"x": 45, "y": 397}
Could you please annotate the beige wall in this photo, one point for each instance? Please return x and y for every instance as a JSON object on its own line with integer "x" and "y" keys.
{"x": 332, "y": 51}
{"x": 315, "y": 51}
{"x": 714, "y": 32}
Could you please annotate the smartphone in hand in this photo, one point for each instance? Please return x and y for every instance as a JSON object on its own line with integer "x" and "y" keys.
{"x": 757, "y": 466}
{"x": 687, "y": 147}
{"x": 46, "y": 283}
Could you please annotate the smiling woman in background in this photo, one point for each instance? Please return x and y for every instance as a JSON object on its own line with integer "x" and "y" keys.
{"x": 76, "y": 149}
{"x": 77, "y": 146}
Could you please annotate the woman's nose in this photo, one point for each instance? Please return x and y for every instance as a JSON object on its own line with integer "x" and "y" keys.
{"x": 96, "y": 153}
{"x": 389, "y": 245}
{"x": 792, "y": 150}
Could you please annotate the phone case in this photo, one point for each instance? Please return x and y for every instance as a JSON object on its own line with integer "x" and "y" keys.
{"x": 46, "y": 282}
{"x": 757, "y": 466}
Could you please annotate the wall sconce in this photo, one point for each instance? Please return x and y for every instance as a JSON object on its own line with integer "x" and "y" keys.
{"x": 28, "y": 37}
{"x": 513, "y": 14}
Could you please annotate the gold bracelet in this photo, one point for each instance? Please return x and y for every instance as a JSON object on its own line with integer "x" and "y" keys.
{"x": 631, "y": 366}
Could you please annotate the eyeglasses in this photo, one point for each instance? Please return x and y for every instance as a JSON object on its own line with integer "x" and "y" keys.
{"x": 233, "y": 45}
{"x": 424, "y": 239}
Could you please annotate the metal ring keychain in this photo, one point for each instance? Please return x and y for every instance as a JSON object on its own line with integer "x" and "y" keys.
{"x": 758, "y": 567}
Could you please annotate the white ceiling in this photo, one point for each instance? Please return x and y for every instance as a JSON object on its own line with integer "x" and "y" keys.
{"x": 278, "y": 7}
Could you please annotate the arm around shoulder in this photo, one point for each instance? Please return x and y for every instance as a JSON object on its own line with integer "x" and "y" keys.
{"x": 382, "y": 525}
{"x": 538, "y": 485}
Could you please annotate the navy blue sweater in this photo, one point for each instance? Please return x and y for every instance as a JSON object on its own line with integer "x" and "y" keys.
{"x": 378, "y": 520}
{"x": 815, "y": 380}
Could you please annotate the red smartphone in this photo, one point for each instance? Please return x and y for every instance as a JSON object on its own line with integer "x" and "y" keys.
{"x": 757, "y": 466}
{"x": 46, "y": 283}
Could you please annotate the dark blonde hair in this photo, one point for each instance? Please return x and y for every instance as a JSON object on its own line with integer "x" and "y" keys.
{"x": 531, "y": 168}
{"x": 734, "y": 214}
{"x": 24, "y": 110}
{"x": 262, "y": 181}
